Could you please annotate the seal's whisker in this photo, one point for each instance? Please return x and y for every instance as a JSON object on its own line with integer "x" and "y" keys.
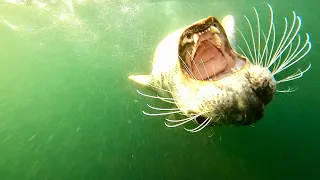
{"x": 294, "y": 58}
{"x": 214, "y": 72}
{"x": 271, "y": 28}
{"x": 289, "y": 90}
{"x": 253, "y": 40}
{"x": 272, "y": 47}
{"x": 160, "y": 114}
{"x": 273, "y": 44}
{"x": 265, "y": 57}
{"x": 242, "y": 51}
{"x": 196, "y": 66}
{"x": 284, "y": 44}
{"x": 182, "y": 121}
{"x": 289, "y": 54}
{"x": 155, "y": 97}
{"x": 162, "y": 109}
{"x": 248, "y": 47}
{"x": 201, "y": 126}
{"x": 294, "y": 76}
{"x": 258, "y": 29}
{"x": 195, "y": 121}
{"x": 168, "y": 100}
{"x": 187, "y": 68}
{"x": 198, "y": 70}
{"x": 205, "y": 68}
{"x": 278, "y": 64}
{"x": 271, "y": 58}
{"x": 265, "y": 54}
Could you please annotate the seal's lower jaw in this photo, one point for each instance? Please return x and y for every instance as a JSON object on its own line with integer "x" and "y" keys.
{"x": 210, "y": 56}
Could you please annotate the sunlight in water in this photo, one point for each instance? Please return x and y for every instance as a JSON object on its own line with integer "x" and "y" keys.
{"x": 32, "y": 17}
{"x": 58, "y": 11}
{"x": 11, "y": 26}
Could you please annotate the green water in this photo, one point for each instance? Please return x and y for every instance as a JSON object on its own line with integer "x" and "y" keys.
{"x": 68, "y": 110}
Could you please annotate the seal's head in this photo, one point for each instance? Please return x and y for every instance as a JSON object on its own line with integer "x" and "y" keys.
{"x": 207, "y": 54}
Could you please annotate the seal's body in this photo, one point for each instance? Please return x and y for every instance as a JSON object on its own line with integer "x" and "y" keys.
{"x": 197, "y": 69}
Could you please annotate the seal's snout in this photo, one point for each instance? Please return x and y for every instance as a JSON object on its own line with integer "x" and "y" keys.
{"x": 265, "y": 83}
{"x": 262, "y": 83}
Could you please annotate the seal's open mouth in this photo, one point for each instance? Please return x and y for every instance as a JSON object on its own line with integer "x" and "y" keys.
{"x": 206, "y": 51}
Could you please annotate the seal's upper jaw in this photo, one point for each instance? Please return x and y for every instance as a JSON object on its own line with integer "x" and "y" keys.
{"x": 205, "y": 50}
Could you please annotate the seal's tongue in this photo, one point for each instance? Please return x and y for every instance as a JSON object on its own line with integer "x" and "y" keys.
{"x": 208, "y": 60}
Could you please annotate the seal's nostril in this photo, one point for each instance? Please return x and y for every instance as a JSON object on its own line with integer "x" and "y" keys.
{"x": 265, "y": 83}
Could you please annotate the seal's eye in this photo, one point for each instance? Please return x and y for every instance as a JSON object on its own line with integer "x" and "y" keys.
{"x": 214, "y": 24}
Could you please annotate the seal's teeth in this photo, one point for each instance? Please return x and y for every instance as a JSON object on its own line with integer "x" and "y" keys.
{"x": 214, "y": 29}
{"x": 195, "y": 38}
{"x": 217, "y": 41}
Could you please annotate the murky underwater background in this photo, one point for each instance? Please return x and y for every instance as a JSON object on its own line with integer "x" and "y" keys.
{"x": 68, "y": 110}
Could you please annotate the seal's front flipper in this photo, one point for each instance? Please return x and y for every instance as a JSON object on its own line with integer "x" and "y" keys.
{"x": 141, "y": 79}
{"x": 229, "y": 27}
